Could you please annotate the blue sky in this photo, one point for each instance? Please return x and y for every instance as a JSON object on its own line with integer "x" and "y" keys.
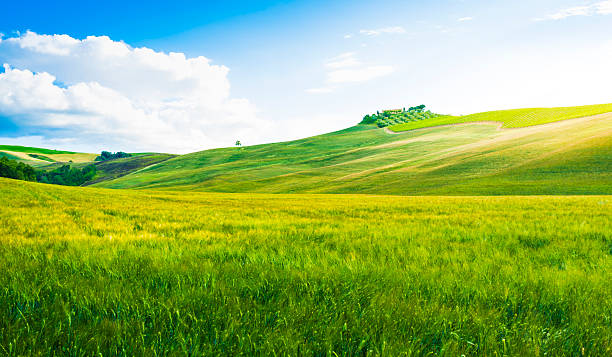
{"x": 278, "y": 70}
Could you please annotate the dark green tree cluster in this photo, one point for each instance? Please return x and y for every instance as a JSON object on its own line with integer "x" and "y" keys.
{"x": 66, "y": 175}
{"x": 16, "y": 170}
{"x": 392, "y": 117}
{"x": 107, "y": 155}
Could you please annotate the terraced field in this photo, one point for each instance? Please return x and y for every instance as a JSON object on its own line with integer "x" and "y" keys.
{"x": 564, "y": 157}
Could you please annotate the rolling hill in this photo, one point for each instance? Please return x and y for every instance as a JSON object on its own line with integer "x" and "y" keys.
{"x": 112, "y": 169}
{"x": 39, "y": 157}
{"x": 555, "y": 155}
{"x": 47, "y": 160}
{"x": 136, "y": 271}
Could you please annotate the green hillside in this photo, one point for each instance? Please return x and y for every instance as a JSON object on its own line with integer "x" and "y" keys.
{"x": 40, "y": 157}
{"x": 112, "y": 169}
{"x": 27, "y": 149}
{"x": 515, "y": 118}
{"x": 565, "y": 157}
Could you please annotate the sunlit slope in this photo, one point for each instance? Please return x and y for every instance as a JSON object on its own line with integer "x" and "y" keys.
{"x": 112, "y": 169}
{"x": 41, "y": 157}
{"x": 515, "y": 118}
{"x": 566, "y": 157}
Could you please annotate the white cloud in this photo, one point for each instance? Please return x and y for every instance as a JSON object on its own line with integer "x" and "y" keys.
{"x": 112, "y": 95}
{"x": 347, "y": 36}
{"x": 463, "y": 19}
{"x": 596, "y": 8}
{"x": 604, "y": 7}
{"x": 361, "y": 74}
{"x": 46, "y": 44}
{"x": 384, "y": 30}
{"x": 346, "y": 68}
{"x": 342, "y": 61}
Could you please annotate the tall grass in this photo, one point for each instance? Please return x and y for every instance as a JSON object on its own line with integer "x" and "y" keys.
{"x": 90, "y": 271}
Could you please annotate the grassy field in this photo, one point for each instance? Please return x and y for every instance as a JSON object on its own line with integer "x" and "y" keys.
{"x": 33, "y": 150}
{"x": 112, "y": 169}
{"x": 514, "y": 118}
{"x": 7, "y": 155}
{"x": 88, "y": 271}
{"x": 40, "y": 157}
{"x": 566, "y": 157}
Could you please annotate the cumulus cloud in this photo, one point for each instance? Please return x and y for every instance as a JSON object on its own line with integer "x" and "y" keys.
{"x": 463, "y": 19}
{"x": 107, "y": 93}
{"x": 596, "y": 8}
{"x": 384, "y": 30}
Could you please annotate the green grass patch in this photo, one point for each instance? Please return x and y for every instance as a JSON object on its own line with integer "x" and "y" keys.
{"x": 515, "y": 118}
{"x": 41, "y": 157}
{"x": 112, "y": 169}
{"x": 27, "y": 149}
{"x": 88, "y": 271}
{"x": 9, "y": 156}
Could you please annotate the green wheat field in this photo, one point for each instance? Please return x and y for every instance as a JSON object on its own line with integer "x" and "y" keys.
{"x": 102, "y": 272}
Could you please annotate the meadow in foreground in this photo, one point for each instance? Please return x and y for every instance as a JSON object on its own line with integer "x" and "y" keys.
{"x": 88, "y": 271}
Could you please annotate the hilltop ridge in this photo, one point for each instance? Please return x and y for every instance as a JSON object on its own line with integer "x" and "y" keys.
{"x": 559, "y": 157}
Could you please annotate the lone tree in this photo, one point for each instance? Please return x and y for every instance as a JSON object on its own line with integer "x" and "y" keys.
{"x": 238, "y": 143}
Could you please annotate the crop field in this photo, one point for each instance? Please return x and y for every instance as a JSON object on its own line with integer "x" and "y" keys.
{"x": 91, "y": 271}
{"x": 514, "y": 118}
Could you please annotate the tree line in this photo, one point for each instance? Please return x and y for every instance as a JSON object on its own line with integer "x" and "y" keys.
{"x": 16, "y": 170}
{"x": 399, "y": 116}
{"x": 63, "y": 175}
{"x": 67, "y": 175}
{"x": 107, "y": 155}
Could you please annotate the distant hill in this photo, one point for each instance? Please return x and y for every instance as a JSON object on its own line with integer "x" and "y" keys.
{"x": 41, "y": 157}
{"x": 47, "y": 160}
{"x": 559, "y": 157}
{"x": 112, "y": 169}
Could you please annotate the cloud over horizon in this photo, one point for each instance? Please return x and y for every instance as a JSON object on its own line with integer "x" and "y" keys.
{"x": 595, "y": 8}
{"x": 105, "y": 93}
{"x": 384, "y": 30}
